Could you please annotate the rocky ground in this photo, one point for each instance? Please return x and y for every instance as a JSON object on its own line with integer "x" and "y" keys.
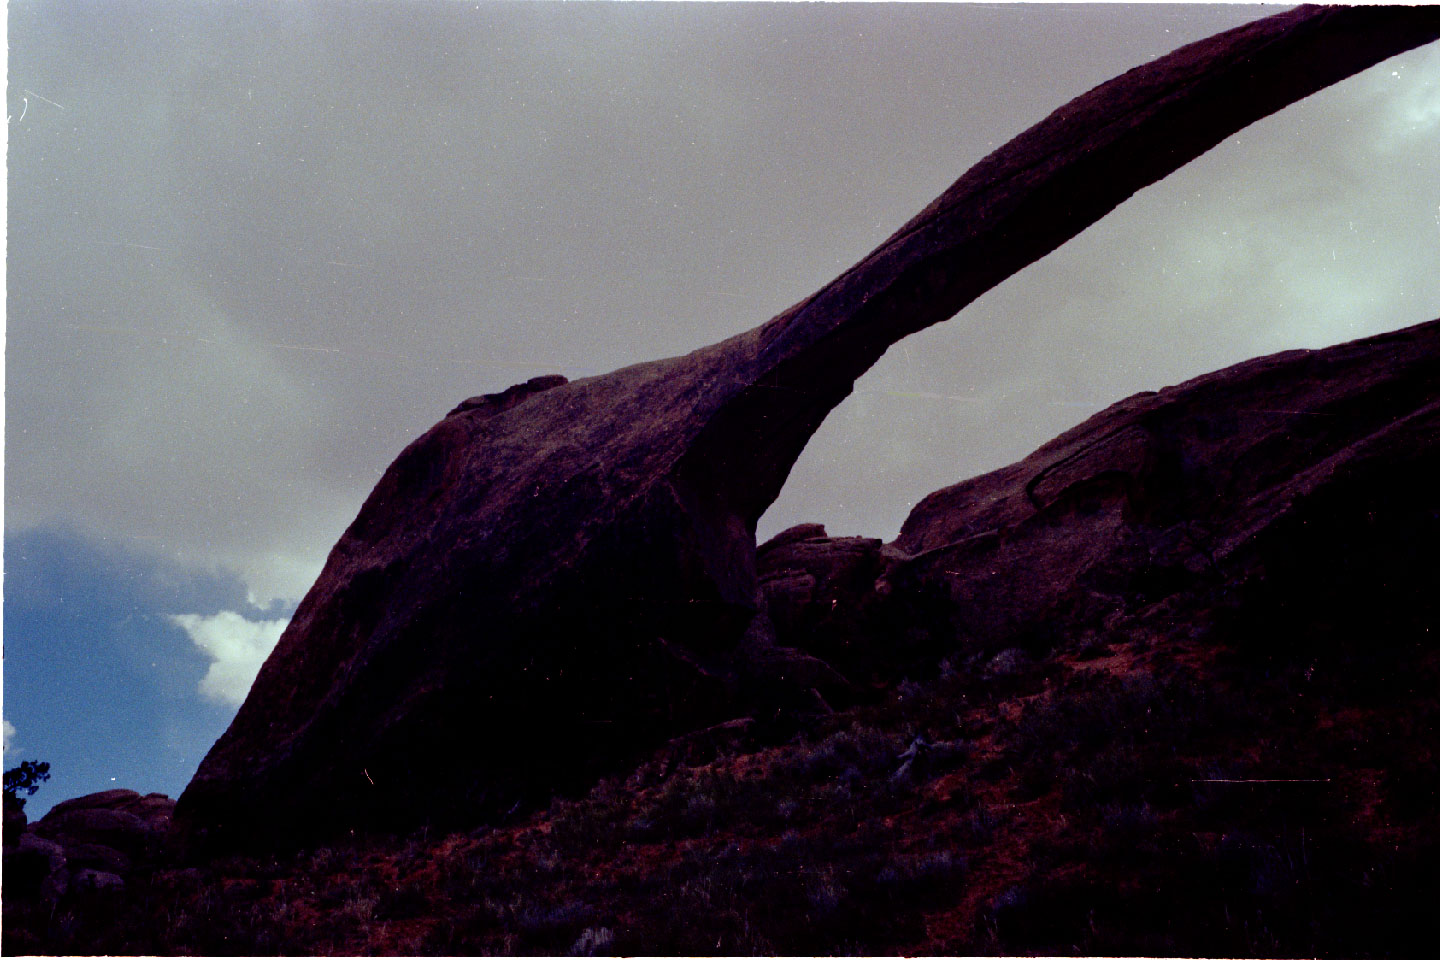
{"x": 1131, "y": 794}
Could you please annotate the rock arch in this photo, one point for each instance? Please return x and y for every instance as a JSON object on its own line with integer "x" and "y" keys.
{"x": 556, "y": 575}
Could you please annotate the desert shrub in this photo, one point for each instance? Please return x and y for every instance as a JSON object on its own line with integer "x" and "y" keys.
{"x": 593, "y": 941}
{"x": 867, "y": 751}
{"x": 594, "y": 822}
{"x": 1007, "y": 663}
{"x": 463, "y": 874}
{"x": 923, "y": 878}
{"x": 793, "y": 896}
{"x": 553, "y": 927}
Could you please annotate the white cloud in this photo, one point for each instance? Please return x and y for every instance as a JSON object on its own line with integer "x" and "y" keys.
{"x": 1404, "y": 99}
{"x": 236, "y": 646}
{"x": 277, "y": 577}
{"x": 9, "y": 729}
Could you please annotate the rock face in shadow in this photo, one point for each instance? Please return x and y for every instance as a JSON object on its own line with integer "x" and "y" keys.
{"x": 85, "y": 846}
{"x": 1198, "y": 481}
{"x": 558, "y": 575}
{"x": 1293, "y": 489}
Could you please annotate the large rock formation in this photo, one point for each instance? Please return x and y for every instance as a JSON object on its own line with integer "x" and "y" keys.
{"x": 557, "y": 574}
{"x": 85, "y": 845}
{"x": 1295, "y": 490}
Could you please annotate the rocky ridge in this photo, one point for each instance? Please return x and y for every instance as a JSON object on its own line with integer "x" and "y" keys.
{"x": 84, "y": 847}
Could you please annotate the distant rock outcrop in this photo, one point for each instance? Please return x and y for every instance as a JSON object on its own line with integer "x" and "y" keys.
{"x": 1299, "y": 485}
{"x": 86, "y": 846}
{"x": 557, "y": 575}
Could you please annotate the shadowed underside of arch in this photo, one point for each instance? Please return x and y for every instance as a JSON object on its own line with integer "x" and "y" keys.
{"x": 555, "y": 576}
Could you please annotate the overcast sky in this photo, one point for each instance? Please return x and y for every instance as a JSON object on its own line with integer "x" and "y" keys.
{"x": 255, "y": 249}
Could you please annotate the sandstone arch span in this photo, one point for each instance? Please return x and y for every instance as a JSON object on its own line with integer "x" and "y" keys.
{"x": 557, "y": 574}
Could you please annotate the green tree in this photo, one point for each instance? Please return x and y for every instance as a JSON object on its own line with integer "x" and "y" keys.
{"x": 26, "y": 779}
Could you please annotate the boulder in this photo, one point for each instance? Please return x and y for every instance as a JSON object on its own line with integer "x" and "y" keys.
{"x": 115, "y": 828}
{"x": 152, "y": 807}
{"x": 822, "y": 595}
{"x": 121, "y": 820}
{"x": 87, "y": 846}
{"x": 116, "y": 799}
{"x": 558, "y": 575}
{"x": 97, "y": 856}
{"x": 96, "y": 882}
{"x": 787, "y": 679}
{"x": 30, "y": 863}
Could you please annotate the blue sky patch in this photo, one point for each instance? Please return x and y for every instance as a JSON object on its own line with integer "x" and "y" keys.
{"x": 99, "y": 680}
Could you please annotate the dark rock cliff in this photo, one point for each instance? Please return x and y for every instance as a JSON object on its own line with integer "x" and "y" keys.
{"x": 557, "y": 576}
